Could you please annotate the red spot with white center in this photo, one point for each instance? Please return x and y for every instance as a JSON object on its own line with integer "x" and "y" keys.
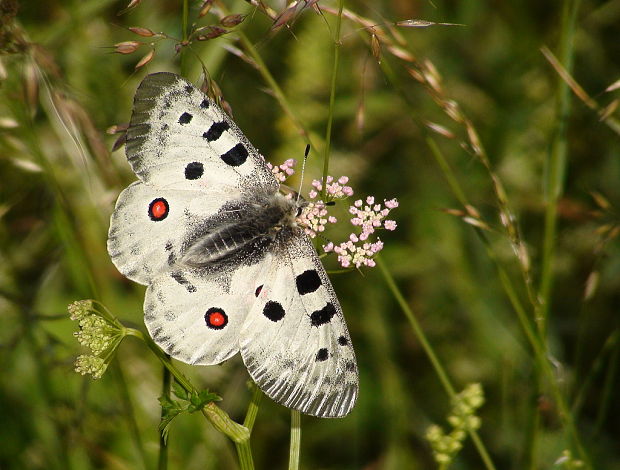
{"x": 158, "y": 209}
{"x": 216, "y": 318}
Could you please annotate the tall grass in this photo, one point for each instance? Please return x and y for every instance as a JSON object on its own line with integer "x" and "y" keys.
{"x": 503, "y": 270}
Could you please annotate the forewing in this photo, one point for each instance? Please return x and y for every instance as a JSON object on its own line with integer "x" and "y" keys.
{"x": 178, "y": 137}
{"x": 196, "y": 317}
{"x": 295, "y": 342}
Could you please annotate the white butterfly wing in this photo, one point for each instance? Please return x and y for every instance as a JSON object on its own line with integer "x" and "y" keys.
{"x": 295, "y": 342}
{"x": 196, "y": 317}
{"x": 178, "y": 137}
{"x": 192, "y": 160}
{"x": 149, "y": 226}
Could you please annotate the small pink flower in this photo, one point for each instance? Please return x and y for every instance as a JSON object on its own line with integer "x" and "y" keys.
{"x": 281, "y": 172}
{"x": 390, "y": 225}
{"x": 391, "y": 204}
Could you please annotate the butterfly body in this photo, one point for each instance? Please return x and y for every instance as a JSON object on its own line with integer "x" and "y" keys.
{"x": 248, "y": 226}
{"x": 228, "y": 267}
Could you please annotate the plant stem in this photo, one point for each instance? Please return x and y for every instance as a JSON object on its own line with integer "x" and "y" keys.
{"x": 184, "y": 22}
{"x": 332, "y": 99}
{"x": 293, "y": 460}
{"x": 250, "y": 416}
{"x": 218, "y": 417}
{"x": 271, "y": 82}
{"x": 556, "y": 163}
{"x": 439, "y": 370}
{"x": 244, "y": 450}
{"x": 162, "y": 462}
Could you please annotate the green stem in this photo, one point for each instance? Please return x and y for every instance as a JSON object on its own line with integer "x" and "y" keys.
{"x": 218, "y": 417}
{"x": 162, "y": 462}
{"x": 185, "y": 18}
{"x": 293, "y": 460}
{"x": 245, "y": 456}
{"x": 537, "y": 343}
{"x": 332, "y": 99}
{"x": 250, "y": 416}
{"x": 273, "y": 85}
{"x": 244, "y": 449}
{"x": 507, "y": 284}
{"x": 439, "y": 370}
{"x": 556, "y": 163}
{"x": 184, "y": 22}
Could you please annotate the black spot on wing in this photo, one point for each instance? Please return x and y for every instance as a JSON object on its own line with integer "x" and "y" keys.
{"x": 235, "y": 156}
{"x": 322, "y": 355}
{"x": 216, "y": 130}
{"x": 308, "y": 281}
{"x": 343, "y": 341}
{"x": 177, "y": 276}
{"x": 204, "y": 104}
{"x": 257, "y": 291}
{"x": 189, "y": 88}
{"x": 194, "y": 170}
{"x": 185, "y": 118}
{"x": 273, "y": 310}
{"x": 320, "y": 317}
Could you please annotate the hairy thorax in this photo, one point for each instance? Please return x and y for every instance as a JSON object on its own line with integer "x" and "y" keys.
{"x": 242, "y": 231}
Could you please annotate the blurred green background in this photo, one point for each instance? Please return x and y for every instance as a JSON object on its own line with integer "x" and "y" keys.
{"x": 556, "y": 157}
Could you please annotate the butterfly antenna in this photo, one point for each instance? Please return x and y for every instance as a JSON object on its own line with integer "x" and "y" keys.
{"x": 303, "y": 169}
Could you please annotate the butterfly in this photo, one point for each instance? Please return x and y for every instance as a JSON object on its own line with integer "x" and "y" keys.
{"x": 228, "y": 269}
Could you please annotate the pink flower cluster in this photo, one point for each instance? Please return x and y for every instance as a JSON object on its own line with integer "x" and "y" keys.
{"x": 314, "y": 217}
{"x": 371, "y": 215}
{"x": 358, "y": 251}
{"x": 353, "y": 253}
{"x": 281, "y": 172}
{"x": 334, "y": 189}
{"x": 368, "y": 216}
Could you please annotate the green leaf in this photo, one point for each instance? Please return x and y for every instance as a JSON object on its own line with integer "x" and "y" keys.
{"x": 199, "y": 399}
{"x": 190, "y": 403}
{"x": 170, "y": 409}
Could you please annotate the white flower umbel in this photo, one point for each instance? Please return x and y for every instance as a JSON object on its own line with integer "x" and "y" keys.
{"x": 98, "y": 331}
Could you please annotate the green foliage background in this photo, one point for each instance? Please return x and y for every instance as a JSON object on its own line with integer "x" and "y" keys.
{"x": 61, "y": 87}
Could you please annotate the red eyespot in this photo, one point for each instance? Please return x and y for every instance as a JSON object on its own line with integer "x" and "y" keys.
{"x": 216, "y": 319}
{"x": 158, "y": 209}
